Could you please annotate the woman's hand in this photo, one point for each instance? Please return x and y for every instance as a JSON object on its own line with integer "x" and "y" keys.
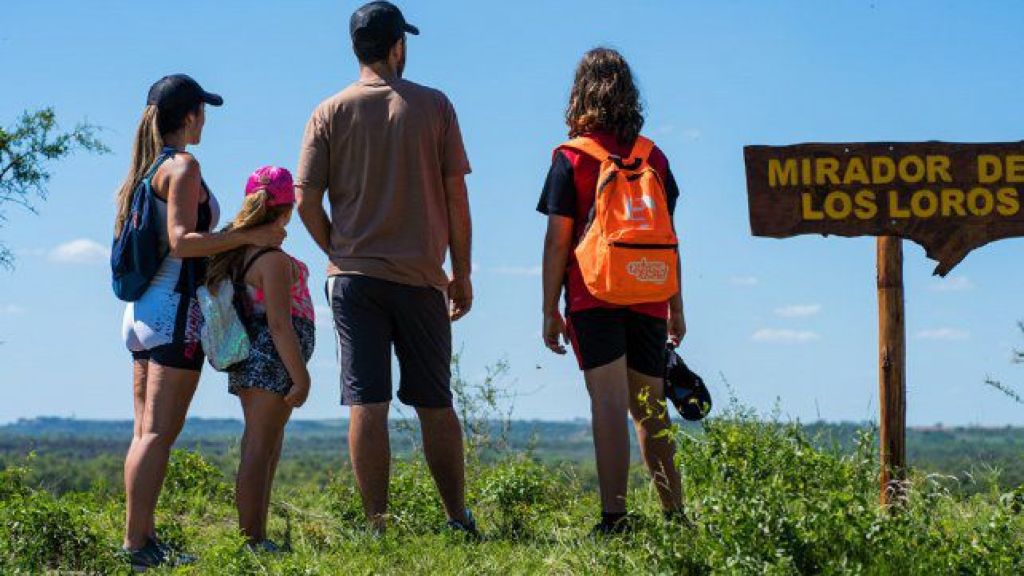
{"x": 555, "y": 333}
{"x": 676, "y": 326}
{"x": 296, "y": 397}
{"x": 268, "y": 235}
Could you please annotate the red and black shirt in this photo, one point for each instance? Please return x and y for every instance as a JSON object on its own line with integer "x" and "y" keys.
{"x": 569, "y": 191}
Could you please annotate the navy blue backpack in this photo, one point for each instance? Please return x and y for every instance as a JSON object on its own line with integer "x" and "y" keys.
{"x": 138, "y": 251}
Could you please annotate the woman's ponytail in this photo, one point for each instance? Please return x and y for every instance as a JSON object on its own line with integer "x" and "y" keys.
{"x": 148, "y": 145}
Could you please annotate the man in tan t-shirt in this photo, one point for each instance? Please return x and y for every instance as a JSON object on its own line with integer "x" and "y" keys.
{"x": 389, "y": 154}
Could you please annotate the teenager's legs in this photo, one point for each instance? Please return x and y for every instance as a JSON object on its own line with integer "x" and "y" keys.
{"x": 168, "y": 394}
{"x": 609, "y": 403}
{"x": 265, "y": 417}
{"x": 370, "y": 450}
{"x": 443, "y": 449}
{"x": 139, "y": 369}
{"x": 658, "y": 451}
{"x": 274, "y": 459}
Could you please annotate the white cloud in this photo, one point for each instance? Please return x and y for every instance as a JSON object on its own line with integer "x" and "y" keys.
{"x": 80, "y": 251}
{"x": 945, "y": 334}
{"x": 518, "y": 270}
{"x": 11, "y": 310}
{"x": 691, "y": 134}
{"x": 952, "y": 284}
{"x": 798, "y": 310}
{"x": 744, "y": 281}
{"x": 784, "y": 336}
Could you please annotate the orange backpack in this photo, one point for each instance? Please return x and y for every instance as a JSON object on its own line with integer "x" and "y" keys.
{"x": 629, "y": 251}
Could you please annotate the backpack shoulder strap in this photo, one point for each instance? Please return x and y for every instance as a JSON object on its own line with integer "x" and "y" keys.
{"x": 255, "y": 257}
{"x": 588, "y": 146}
{"x": 642, "y": 148}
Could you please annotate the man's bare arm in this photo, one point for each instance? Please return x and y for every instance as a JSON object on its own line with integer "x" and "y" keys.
{"x": 460, "y": 239}
{"x": 314, "y": 217}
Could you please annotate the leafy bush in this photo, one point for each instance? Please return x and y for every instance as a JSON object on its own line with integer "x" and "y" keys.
{"x": 517, "y": 492}
{"x": 193, "y": 484}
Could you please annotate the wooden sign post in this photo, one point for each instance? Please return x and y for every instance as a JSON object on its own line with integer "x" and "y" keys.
{"x": 950, "y": 198}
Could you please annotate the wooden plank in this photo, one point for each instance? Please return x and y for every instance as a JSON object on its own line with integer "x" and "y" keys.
{"x": 892, "y": 371}
{"x": 949, "y": 197}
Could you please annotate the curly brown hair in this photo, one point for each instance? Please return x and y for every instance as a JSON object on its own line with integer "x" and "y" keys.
{"x": 604, "y": 97}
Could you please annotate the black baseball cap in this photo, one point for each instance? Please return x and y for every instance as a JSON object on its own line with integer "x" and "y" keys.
{"x": 379, "y": 21}
{"x": 180, "y": 91}
{"x": 684, "y": 388}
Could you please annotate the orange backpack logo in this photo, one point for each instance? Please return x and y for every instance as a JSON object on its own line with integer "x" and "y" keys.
{"x": 628, "y": 254}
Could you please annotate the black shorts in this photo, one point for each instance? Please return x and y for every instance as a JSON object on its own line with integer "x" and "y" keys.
{"x": 180, "y": 355}
{"x": 601, "y": 336}
{"x": 372, "y": 315}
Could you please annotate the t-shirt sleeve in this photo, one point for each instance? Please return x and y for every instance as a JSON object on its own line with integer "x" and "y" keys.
{"x": 454, "y": 160}
{"x": 314, "y": 156}
{"x": 671, "y": 190}
{"x": 559, "y": 194}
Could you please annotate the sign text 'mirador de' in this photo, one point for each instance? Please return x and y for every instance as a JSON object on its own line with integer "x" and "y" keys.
{"x": 951, "y": 198}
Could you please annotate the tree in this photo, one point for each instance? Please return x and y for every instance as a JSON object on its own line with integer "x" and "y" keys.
{"x": 26, "y": 150}
{"x": 1018, "y": 358}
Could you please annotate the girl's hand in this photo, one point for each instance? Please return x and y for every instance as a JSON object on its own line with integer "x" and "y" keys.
{"x": 296, "y": 397}
{"x": 555, "y": 334}
{"x": 676, "y": 327}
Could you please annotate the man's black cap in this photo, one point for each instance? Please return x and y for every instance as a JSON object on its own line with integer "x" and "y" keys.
{"x": 380, "y": 21}
{"x": 180, "y": 92}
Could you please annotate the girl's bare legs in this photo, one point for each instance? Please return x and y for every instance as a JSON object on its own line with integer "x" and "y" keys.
{"x": 265, "y": 417}
{"x": 609, "y": 402}
{"x": 162, "y": 398}
{"x": 646, "y": 397}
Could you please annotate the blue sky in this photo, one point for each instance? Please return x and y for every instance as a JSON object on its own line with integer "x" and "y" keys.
{"x": 788, "y": 323}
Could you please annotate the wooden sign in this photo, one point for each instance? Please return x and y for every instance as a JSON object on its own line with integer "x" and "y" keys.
{"x": 950, "y": 198}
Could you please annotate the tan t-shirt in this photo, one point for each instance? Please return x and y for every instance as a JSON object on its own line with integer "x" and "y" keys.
{"x": 382, "y": 149}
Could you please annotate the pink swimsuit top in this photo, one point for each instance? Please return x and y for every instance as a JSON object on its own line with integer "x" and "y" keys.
{"x": 302, "y": 303}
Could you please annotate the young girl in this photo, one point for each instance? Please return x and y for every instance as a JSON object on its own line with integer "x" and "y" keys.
{"x": 274, "y": 379}
{"x": 620, "y": 349}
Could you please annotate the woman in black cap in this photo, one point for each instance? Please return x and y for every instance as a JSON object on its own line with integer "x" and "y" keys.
{"x": 161, "y": 327}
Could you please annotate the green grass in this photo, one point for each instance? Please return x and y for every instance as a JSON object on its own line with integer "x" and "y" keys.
{"x": 765, "y": 500}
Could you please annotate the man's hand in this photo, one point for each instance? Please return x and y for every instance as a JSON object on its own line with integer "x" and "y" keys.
{"x": 460, "y": 294}
{"x": 555, "y": 334}
{"x": 676, "y": 326}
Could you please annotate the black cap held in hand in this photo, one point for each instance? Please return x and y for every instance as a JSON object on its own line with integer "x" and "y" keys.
{"x": 180, "y": 92}
{"x": 379, "y": 21}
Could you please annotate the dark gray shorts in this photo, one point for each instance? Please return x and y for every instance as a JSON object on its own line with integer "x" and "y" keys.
{"x": 372, "y": 315}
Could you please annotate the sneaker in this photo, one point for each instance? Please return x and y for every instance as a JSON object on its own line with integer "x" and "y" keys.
{"x": 468, "y": 527}
{"x": 149, "y": 556}
{"x": 174, "y": 556}
{"x": 623, "y": 525}
{"x": 678, "y": 517}
{"x": 265, "y": 546}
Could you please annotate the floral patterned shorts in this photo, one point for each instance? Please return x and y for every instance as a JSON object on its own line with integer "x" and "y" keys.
{"x": 264, "y": 368}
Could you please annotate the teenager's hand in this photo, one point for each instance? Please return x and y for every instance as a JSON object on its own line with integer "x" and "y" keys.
{"x": 268, "y": 235}
{"x": 296, "y": 397}
{"x": 555, "y": 333}
{"x": 460, "y": 292}
{"x": 676, "y": 327}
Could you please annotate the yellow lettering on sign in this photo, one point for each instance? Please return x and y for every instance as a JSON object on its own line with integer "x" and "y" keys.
{"x": 826, "y": 168}
{"x": 867, "y": 208}
{"x": 808, "y": 208}
{"x": 980, "y": 201}
{"x": 838, "y": 205}
{"x": 883, "y": 170}
{"x": 924, "y": 204}
{"x": 938, "y": 169}
{"x": 990, "y": 169}
{"x": 894, "y": 206}
{"x": 1009, "y": 201}
{"x": 911, "y": 169}
{"x": 953, "y": 202}
{"x": 1014, "y": 169}
{"x": 856, "y": 172}
{"x": 806, "y": 175}
{"x": 782, "y": 173}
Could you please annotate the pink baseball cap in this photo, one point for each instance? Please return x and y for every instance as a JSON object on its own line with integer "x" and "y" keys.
{"x": 276, "y": 181}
